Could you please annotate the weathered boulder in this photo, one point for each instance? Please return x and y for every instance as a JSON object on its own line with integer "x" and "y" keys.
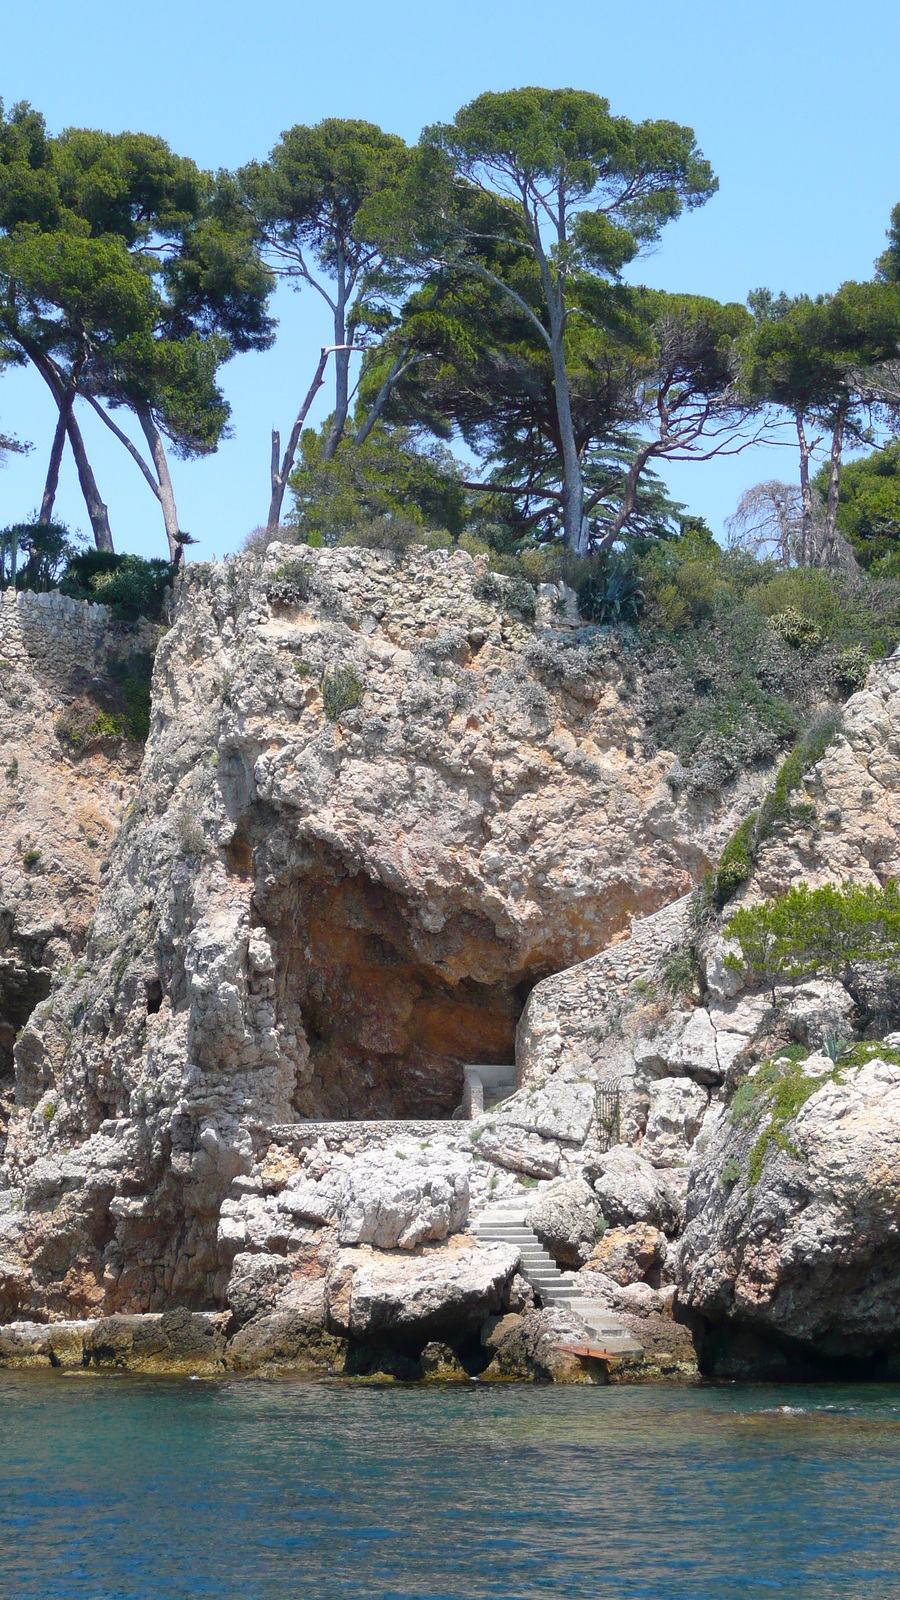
{"x": 293, "y": 1334}
{"x": 560, "y": 1109}
{"x": 441, "y": 1291}
{"x": 520, "y": 1151}
{"x": 565, "y": 1220}
{"x": 629, "y": 1255}
{"x": 677, "y": 1107}
{"x": 41, "y": 1344}
{"x": 396, "y": 1203}
{"x": 530, "y": 1351}
{"x": 438, "y": 1363}
{"x": 173, "y": 1340}
{"x": 630, "y": 1190}
{"x": 793, "y": 1221}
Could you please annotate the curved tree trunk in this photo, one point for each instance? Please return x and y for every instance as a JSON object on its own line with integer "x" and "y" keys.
{"x": 165, "y": 490}
{"x": 48, "y": 498}
{"x": 280, "y": 474}
{"x": 96, "y": 508}
{"x": 829, "y": 540}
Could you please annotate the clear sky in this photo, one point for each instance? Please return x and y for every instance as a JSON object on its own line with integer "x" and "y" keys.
{"x": 794, "y": 103}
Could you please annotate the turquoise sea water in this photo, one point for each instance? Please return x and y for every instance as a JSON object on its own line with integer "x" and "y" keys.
{"x": 159, "y": 1490}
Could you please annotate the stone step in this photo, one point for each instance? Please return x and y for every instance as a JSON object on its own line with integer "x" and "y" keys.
{"x": 553, "y": 1286}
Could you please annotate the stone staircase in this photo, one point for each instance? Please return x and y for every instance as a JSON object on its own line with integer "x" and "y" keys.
{"x": 508, "y": 1222}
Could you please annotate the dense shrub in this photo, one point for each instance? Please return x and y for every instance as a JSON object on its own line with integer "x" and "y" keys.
{"x": 516, "y": 596}
{"x": 342, "y": 689}
{"x": 736, "y": 863}
{"x": 34, "y": 555}
{"x": 851, "y": 933}
{"x": 128, "y": 585}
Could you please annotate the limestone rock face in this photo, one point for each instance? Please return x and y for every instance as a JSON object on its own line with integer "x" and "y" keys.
{"x": 447, "y": 1290}
{"x": 399, "y": 1204}
{"x": 531, "y": 1349}
{"x": 565, "y": 1221}
{"x": 629, "y": 1255}
{"x": 677, "y": 1108}
{"x": 630, "y": 1190}
{"x": 375, "y": 807}
{"x": 810, "y": 1252}
{"x": 563, "y": 1109}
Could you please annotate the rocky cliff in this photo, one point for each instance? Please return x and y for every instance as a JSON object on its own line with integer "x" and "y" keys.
{"x": 391, "y": 818}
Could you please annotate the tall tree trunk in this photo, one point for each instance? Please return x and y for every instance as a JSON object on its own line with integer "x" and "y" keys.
{"x": 807, "y": 535}
{"x": 165, "y": 490}
{"x": 280, "y": 475}
{"x": 829, "y": 540}
{"x": 341, "y": 368}
{"x": 96, "y": 508}
{"x": 48, "y": 498}
{"x": 396, "y": 371}
{"x": 575, "y": 528}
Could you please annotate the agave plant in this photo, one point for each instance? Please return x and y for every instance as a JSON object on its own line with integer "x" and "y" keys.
{"x": 614, "y": 595}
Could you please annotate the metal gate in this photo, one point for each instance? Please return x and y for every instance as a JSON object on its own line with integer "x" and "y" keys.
{"x": 607, "y": 1115}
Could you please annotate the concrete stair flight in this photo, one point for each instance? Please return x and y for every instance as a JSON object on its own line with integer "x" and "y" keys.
{"x": 509, "y": 1223}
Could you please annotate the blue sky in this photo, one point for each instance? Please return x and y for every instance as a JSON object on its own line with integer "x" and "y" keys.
{"x": 792, "y": 102}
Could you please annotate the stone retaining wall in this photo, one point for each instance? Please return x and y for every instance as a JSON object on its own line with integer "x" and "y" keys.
{"x": 55, "y": 638}
{"x": 565, "y": 1011}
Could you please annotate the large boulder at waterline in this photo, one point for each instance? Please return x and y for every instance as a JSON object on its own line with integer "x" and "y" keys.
{"x": 793, "y": 1226}
{"x": 443, "y": 1291}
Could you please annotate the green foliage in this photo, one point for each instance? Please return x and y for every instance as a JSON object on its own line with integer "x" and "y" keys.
{"x": 189, "y": 831}
{"x": 128, "y": 272}
{"x": 869, "y": 503}
{"x": 851, "y": 933}
{"x": 516, "y": 595}
{"x": 393, "y": 477}
{"x": 131, "y": 680}
{"x": 342, "y": 689}
{"x": 12, "y": 771}
{"x": 34, "y": 555}
{"x": 678, "y": 972}
{"x": 851, "y": 668}
{"x": 613, "y": 596}
{"x": 736, "y": 863}
{"x": 724, "y": 688}
{"x": 31, "y": 858}
{"x": 800, "y": 632}
{"x": 296, "y": 575}
{"x": 130, "y": 586}
{"x": 777, "y": 1092}
{"x": 118, "y": 708}
{"x": 731, "y": 1171}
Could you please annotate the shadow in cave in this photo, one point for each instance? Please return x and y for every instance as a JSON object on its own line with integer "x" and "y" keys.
{"x": 390, "y": 1010}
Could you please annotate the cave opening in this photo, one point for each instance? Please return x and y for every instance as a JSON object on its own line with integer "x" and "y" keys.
{"x": 391, "y": 1011}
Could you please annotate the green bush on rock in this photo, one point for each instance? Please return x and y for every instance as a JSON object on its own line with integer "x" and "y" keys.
{"x": 851, "y": 933}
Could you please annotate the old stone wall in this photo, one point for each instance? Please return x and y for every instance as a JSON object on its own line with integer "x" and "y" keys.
{"x": 55, "y": 638}
{"x": 566, "y": 1020}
